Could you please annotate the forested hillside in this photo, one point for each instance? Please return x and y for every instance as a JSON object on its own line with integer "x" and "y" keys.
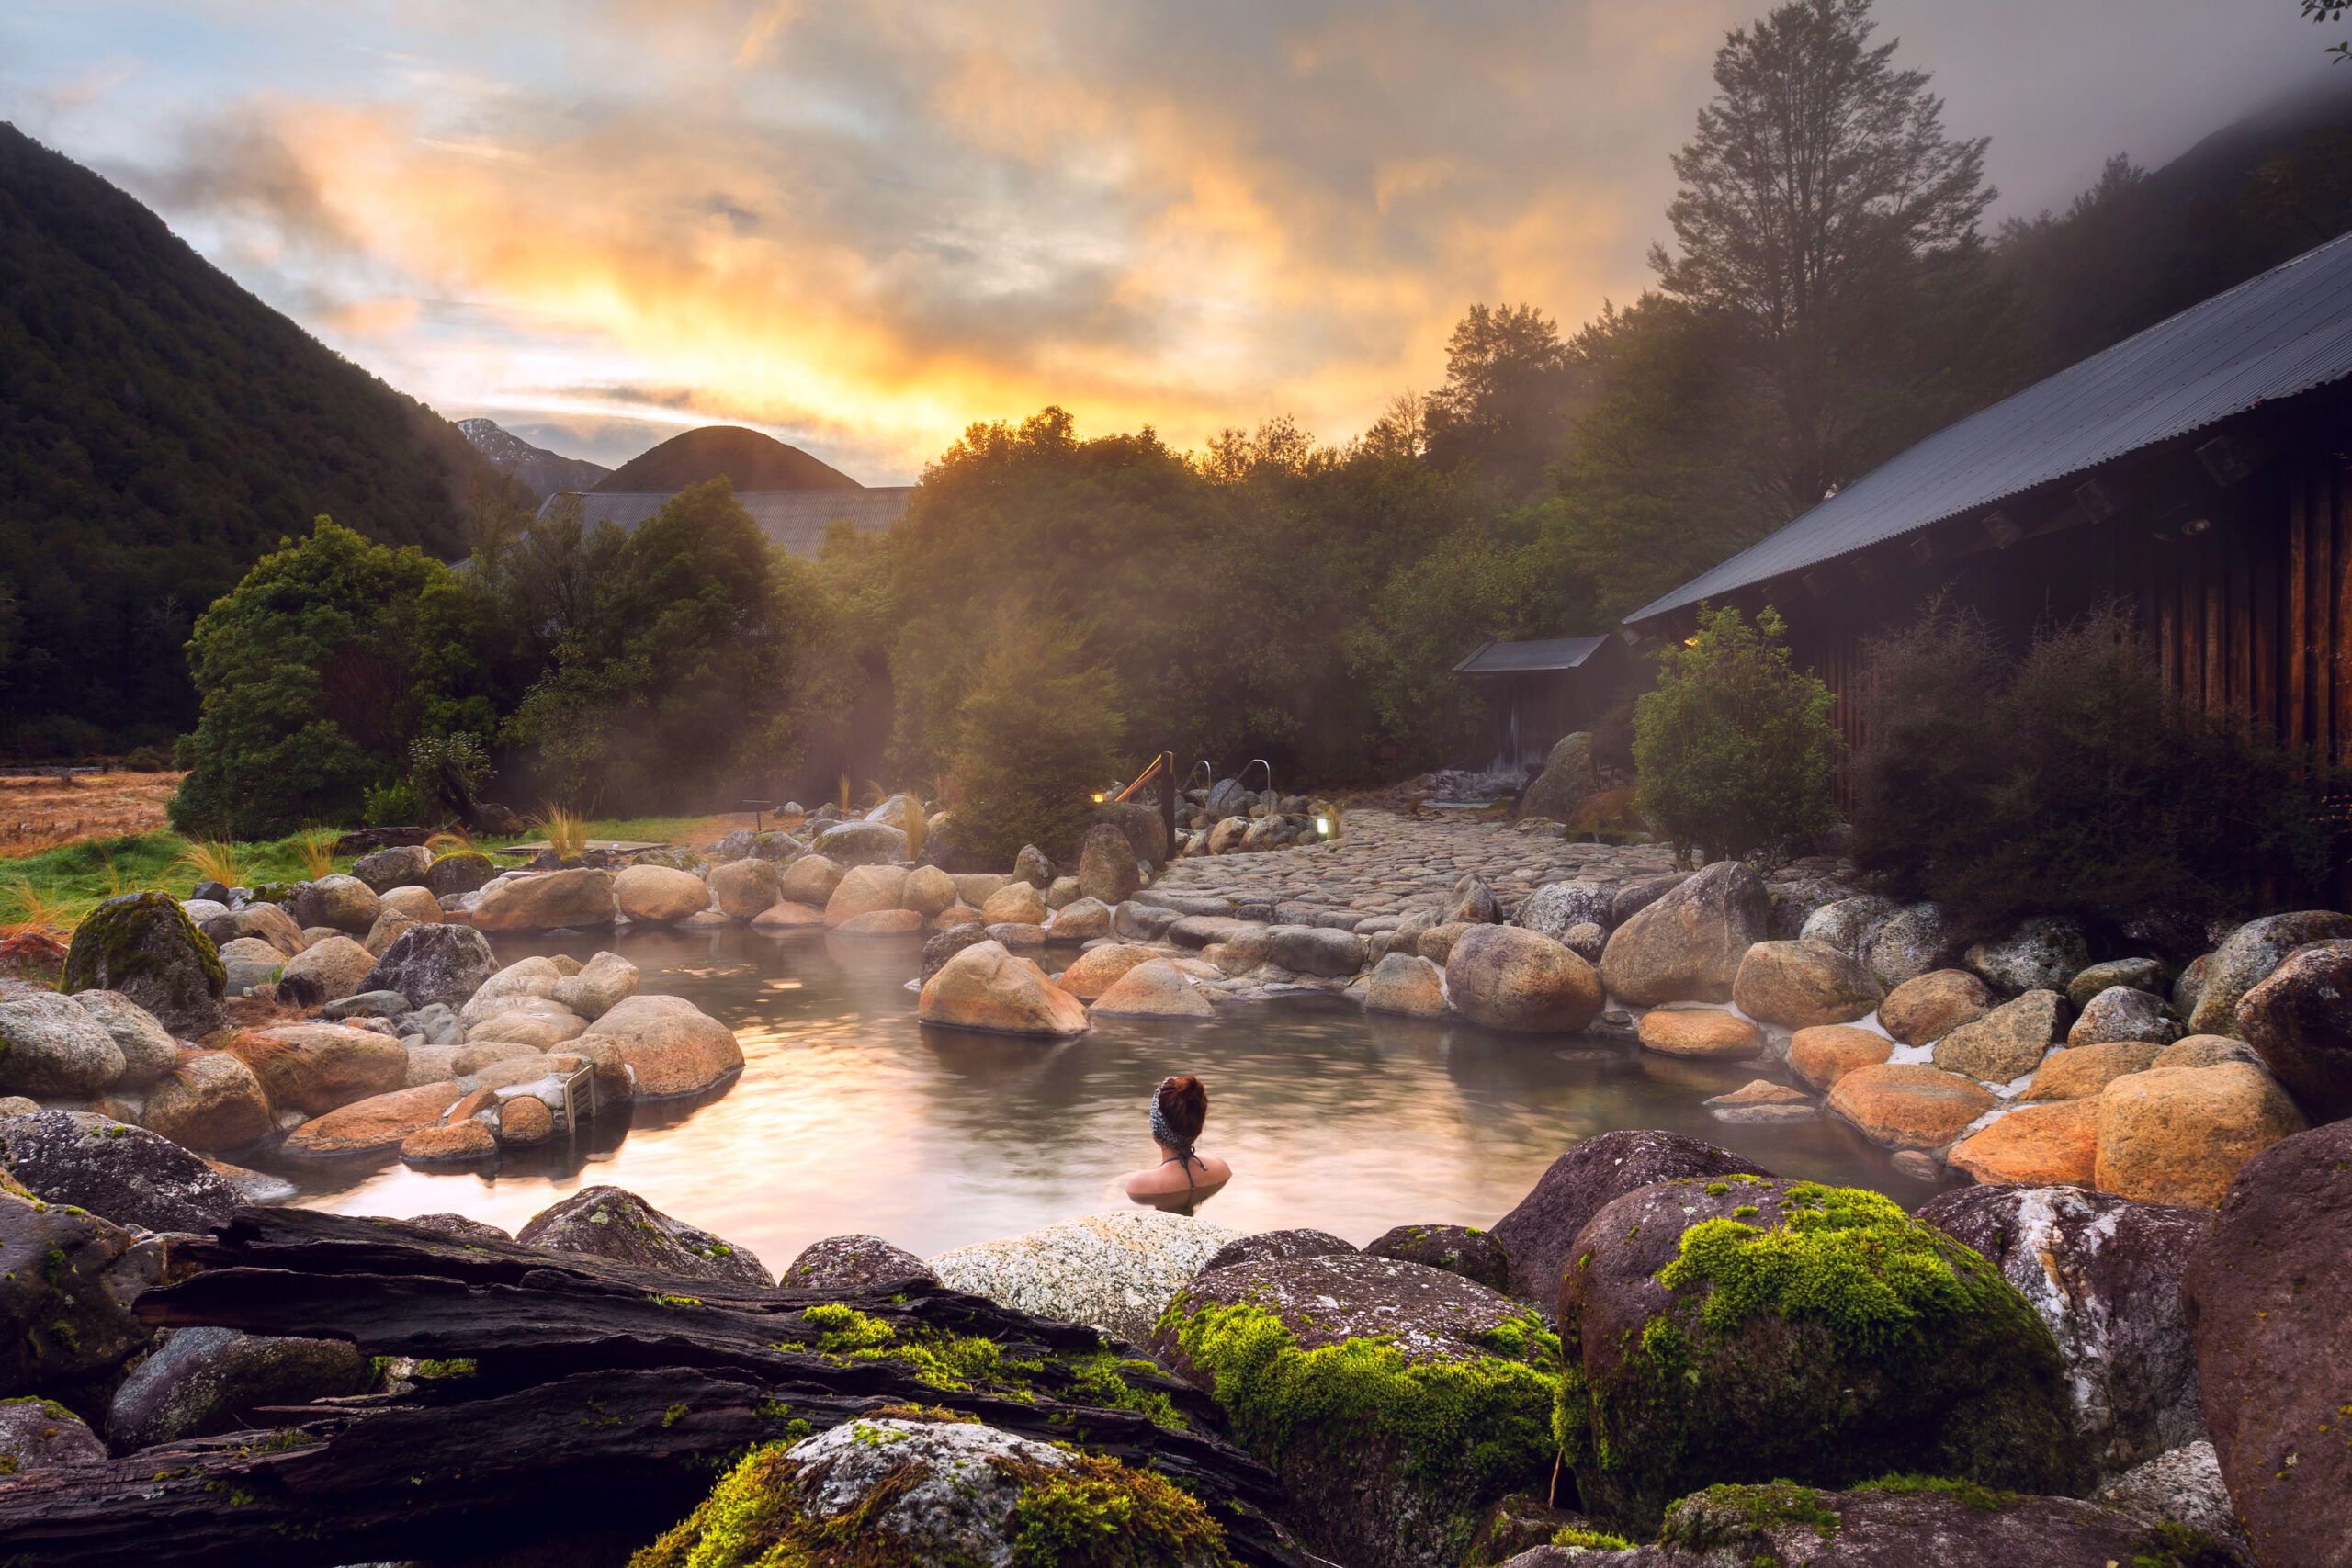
{"x": 160, "y": 428}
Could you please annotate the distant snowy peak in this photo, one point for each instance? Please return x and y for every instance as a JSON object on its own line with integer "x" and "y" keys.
{"x": 541, "y": 471}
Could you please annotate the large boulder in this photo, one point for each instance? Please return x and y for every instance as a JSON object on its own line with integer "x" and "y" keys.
{"x": 1116, "y": 1272}
{"x": 2122, "y": 1012}
{"x": 459, "y": 872}
{"x": 2009, "y": 1042}
{"x": 1106, "y": 864}
{"x": 906, "y": 1487}
{"x": 2039, "y": 1145}
{"x": 2080, "y": 1072}
{"x": 2139, "y": 974}
{"x": 1909, "y": 1105}
{"x": 1432, "y": 1396}
{"x": 205, "y": 1381}
{"x": 67, "y": 1281}
{"x": 1090, "y": 974}
{"x": 863, "y": 843}
{"x": 853, "y": 1265}
{"x": 1801, "y": 984}
{"x": 402, "y": 865}
{"x": 1823, "y": 1055}
{"x": 2300, "y": 1020}
{"x": 928, "y": 891}
{"x": 346, "y": 903}
{"x": 1465, "y": 1250}
{"x": 865, "y": 890}
{"x": 262, "y": 922}
{"x": 211, "y": 1102}
{"x": 1846, "y": 924}
{"x": 1926, "y": 1007}
{"x": 539, "y": 1023}
{"x": 247, "y": 962}
{"x": 810, "y": 880}
{"x": 613, "y": 1222}
{"x": 670, "y": 1046}
{"x": 2181, "y": 1134}
{"x": 522, "y": 980}
{"x": 376, "y": 1125}
{"x": 1715, "y": 1034}
{"x": 1015, "y": 903}
{"x": 2246, "y": 959}
{"x": 1556, "y": 907}
{"x": 1541, "y": 1229}
{"x": 2041, "y": 954}
{"x": 986, "y": 987}
{"x": 1270, "y": 1246}
{"x": 1315, "y": 950}
{"x": 1916, "y": 940}
{"x": 1686, "y": 945}
{"x": 603, "y": 984}
{"x": 2267, "y": 1311}
{"x": 1568, "y": 782}
{"x": 549, "y": 900}
{"x": 1155, "y": 990}
{"x": 318, "y": 1067}
{"x": 144, "y": 945}
{"x": 1407, "y": 985}
{"x": 1507, "y": 977}
{"x": 437, "y": 963}
{"x": 40, "y": 1433}
{"x": 148, "y": 1049}
{"x": 659, "y": 895}
{"x": 128, "y": 1175}
{"x": 327, "y": 971}
{"x": 51, "y": 1045}
{"x": 2104, "y": 1274}
{"x": 743, "y": 888}
{"x": 1747, "y": 1330}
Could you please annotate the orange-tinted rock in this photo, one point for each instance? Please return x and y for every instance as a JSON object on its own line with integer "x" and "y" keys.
{"x": 2179, "y": 1135}
{"x": 672, "y": 1047}
{"x": 524, "y": 1120}
{"x": 1923, "y": 1011}
{"x": 882, "y": 922}
{"x": 374, "y": 1126}
{"x": 1802, "y": 983}
{"x": 209, "y": 1102}
{"x": 314, "y": 1067}
{"x": 1823, "y": 1055}
{"x": 2034, "y": 1145}
{"x": 1911, "y": 1105}
{"x": 2080, "y": 1072}
{"x": 454, "y": 1142}
{"x": 986, "y": 987}
{"x": 1702, "y": 1033}
{"x": 1097, "y": 969}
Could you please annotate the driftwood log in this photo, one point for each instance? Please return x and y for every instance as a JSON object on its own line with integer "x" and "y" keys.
{"x": 605, "y": 1402}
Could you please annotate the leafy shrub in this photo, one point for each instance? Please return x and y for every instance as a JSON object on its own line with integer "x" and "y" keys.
{"x": 1734, "y": 747}
{"x": 396, "y": 805}
{"x": 1034, "y": 742}
{"x": 2071, "y": 780}
{"x": 147, "y": 760}
{"x": 444, "y": 774}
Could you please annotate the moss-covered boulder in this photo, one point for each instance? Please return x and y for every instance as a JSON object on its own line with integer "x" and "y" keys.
{"x": 1458, "y": 1249}
{"x": 67, "y": 1279}
{"x": 144, "y": 945}
{"x": 950, "y": 1493}
{"x": 611, "y": 1221}
{"x": 1743, "y": 1329}
{"x": 1397, "y": 1403}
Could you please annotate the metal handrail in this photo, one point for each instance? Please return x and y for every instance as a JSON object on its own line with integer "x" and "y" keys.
{"x": 1256, "y": 763}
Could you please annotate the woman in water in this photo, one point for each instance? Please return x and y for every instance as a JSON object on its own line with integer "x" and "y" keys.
{"x": 1182, "y": 1179}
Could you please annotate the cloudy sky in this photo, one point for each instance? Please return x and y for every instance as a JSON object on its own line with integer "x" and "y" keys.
{"x": 864, "y": 226}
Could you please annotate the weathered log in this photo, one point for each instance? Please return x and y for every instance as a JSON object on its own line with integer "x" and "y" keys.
{"x": 602, "y": 1398}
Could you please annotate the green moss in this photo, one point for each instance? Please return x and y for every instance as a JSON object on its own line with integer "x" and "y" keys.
{"x": 1591, "y": 1540}
{"x": 2171, "y": 1544}
{"x": 954, "y": 1364}
{"x": 1983, "y": 1499}
{"x": 456, "y": 1367}
{"x": 1103, "y": 1514}
{"x": 116, "y": 944}
{"x": 669, "y": 1300}
{"x": 1741, "y": 1516}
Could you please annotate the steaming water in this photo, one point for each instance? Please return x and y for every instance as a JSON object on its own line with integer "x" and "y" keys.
{"x": 849, "y": 1116}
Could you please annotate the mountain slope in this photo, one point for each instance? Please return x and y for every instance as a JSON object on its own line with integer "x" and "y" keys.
{"x": 753, "y": 460}
{"x": 539, "y": 470}
{"x": 160, "y": 429}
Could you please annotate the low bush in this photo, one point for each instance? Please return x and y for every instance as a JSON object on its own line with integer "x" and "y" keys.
{"x": 1035, "y": 740}
{"x": 2070, "y": 781}
{"x": 1732, "y": 749}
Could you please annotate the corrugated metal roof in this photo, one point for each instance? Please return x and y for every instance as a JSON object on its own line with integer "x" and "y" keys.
{"x": 795, "y": 519}
{"x": 2287, "y": 330}
{"x": 1546, "y": 653}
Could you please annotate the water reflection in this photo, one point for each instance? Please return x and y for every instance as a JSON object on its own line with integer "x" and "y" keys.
{"x": 850, "y": 1116}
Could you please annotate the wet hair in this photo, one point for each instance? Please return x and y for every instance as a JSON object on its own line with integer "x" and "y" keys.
{"x": 1180, "y": 1106}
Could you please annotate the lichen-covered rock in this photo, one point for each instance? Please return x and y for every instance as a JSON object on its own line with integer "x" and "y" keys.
{"x": 615, "y": 1223}
{"x": 659, "y": 894}
{"x": 2206, "y": 1050}
{"x": 2300, "y": 1020}
{"x": 1802, "y": 983}
{"x": 1925, "y": 1009}
{"x": 404, "y": 865}
{"x": 429, "y": 964}
{"x": 2267, "y": 1311}
{"x": 1916, "y": 940}
{"x": 2008, "y": 1043}
{"x": 1745, "y": 1329}
{"x": 862, "y": 843}
{"x": 2041, "y": 954}
{"x": 2139, "y": 974}
{"x": 581, "y": 899}
{"x": 49, "y": 1046}
{"x": 1687, "y": 946}
{"x": 1432, "y": 1396}
{"x": 448, "y": 1144}
{"x": 2180, "y": 1135}
{"x": 148, "y": 1049}
{"x": 1541, "y": 1230}
{"x": 2246, "y": 959}
{"x": 125, "y": 1173}
{"x": 1116, "y": 1272}
{"x": 2104, "y": 1274}
{"x": 247, "y": 962}
{"x": 316, "y": 1067}
{"x": 603, "y": 984}
{"x": 1823, "y": 1055}
{"x": 1710, "y": 1035}
{"x": 205, "y": 1381}
{"x": 1015, "y": 903}
{"x": 144, "y": 945}
{"x": 1568, "y": 781}
{"x": 1551, "y": 910}
{"x": 851, "y": 1264}
{"x": 211, "y": 1102}
{"x": 1909, "y": 1105}
{"x": 327, "y": 971}
{"x": 911, "y": 1491}
{"x": 986, "y": 987}
{"x": 39, "y": 1435}
{"x": 1846, "y": 924}
{"x": 670, "y": 1046}
{"x": 1507, "y": 977}
{"x": 1407, "y": 985}
{"x": 743, "y": 888}
{"x": 2080, "y": 1072}
{"x": 67, "y": 1281}
{"x": 376, "y": 1125}
{"x": 2181, "y": 1487}
{"x": 460, "y": 871}
{"x": 2118, "y": 1014}
{"x": 1465, "y": 1250}
{"x": 343, "y": 903}
{"x": 539, "y": 1023}
{"x": 1266, "y": 1246}
{"x": 1106, "y": 865}
{"x": 2038, "y": 1145}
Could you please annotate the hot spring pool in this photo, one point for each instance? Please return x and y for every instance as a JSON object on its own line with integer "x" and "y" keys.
{"x": 850, "y": 1116}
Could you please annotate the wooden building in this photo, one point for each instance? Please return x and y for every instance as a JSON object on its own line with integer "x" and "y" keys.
{"x": 1536, "y": 692}
{"x": 2195, "y": 471}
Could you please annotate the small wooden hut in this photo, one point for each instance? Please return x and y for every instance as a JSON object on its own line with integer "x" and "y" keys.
{"x": 1538, "y": 691}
